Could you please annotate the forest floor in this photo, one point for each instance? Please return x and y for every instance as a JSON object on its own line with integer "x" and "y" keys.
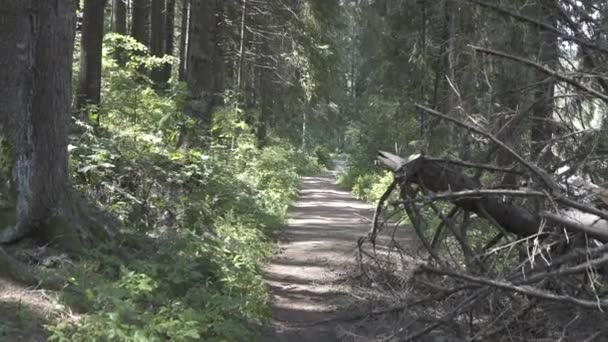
{"x": 314, "y": 297}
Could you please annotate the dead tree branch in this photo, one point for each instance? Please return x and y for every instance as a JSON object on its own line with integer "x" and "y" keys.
{"x": 600, "y": 303}
{"x": 544, "y": 69}
{"x": 543, "y": 26}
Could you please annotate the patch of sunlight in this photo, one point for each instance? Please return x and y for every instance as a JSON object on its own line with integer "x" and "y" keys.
{"x": 323, "y": 191}
{"x": 332, "y": 204}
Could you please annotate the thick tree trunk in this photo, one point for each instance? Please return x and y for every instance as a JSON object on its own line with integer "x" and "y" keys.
{"x": 140, "y": 16}
{"x": 169, "y": 38}
{"x": 119, "y": 16}
{"x": 88, "y": 91}
{"x": 201, "y": 51}
{"x": 36, "y": 49}
{"x": 266, "y": 96}
{"x": 183, "y": 40}
{"x": 157, "y": 32}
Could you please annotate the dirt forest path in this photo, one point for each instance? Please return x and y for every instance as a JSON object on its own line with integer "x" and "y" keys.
{"x": 314, "y": 252}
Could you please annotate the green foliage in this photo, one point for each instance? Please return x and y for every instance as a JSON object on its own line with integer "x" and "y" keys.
{"x": 382, "y": 125}
{"x": 213, "y": 213}
{"x": 196, "y": 224}
{"x": 128, "y": 96}
{"x": 193, "y": 287}
{"x": 371, "y": 186}
{"x": 324, "y": 157}
{"x": 135, "y": 55}
{"x": 228, "y": 124}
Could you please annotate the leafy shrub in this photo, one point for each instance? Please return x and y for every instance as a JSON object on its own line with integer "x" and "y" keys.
{"x": 324, "y": 157}
{"x": 196, "y": 224}
{"x": 370, "y": 187}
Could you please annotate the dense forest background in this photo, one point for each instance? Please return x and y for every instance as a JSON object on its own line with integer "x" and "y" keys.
{"x": 151, "y": 146}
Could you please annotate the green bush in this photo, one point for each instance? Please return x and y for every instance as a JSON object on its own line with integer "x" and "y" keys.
{"x": 196, "y": 225}
{"x": 370, "y": 187}
{"x": 324, "y": 157}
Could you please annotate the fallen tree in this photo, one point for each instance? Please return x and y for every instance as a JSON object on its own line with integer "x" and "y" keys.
{"x": 448, "y": 182}
{"x": 504, "y": 255}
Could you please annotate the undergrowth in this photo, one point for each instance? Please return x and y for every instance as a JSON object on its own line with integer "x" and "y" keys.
{"x": 193, "y": 226}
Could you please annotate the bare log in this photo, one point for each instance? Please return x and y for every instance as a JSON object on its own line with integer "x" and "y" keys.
{"x": 595, "y": 232}
{"x": 439, "y": 177}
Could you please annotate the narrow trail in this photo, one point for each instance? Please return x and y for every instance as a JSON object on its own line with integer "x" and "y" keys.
{"x": 313, "y": 254}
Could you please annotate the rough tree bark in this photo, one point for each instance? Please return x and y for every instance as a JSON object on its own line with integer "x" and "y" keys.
{"x": 119, "y": 25}
{"x": 88, "y": 90}
{"x": 140, "y": 16}
{"x": 183, "y": 40}
{"x": 218, "y": 58}
{"x": 119, "y": 16}
{"x": 201, "y": 51}
{"x": 266, "y": 96}
{"x": 169, "y": 22}
{"x": 157, "y": 32}
{"x": 239, "y": 72}
{"x": 548, "y": 54}
{"x": 36, "y": 49}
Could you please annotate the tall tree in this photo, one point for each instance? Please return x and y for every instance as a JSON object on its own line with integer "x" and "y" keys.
{"x": 157, "y": 32}
{"x": 266, "y": 94}
{"x": 169, "y": 23}
{"x": 36, "y": 49}
{"x": 183, "y": 39}
{"x": 88, "y": 90}
{"x": 140, "y": 16}
{"x": 543, "y": 106}
{"x": 218, "y": 58}
{"x": 201, "y": 51}
{"x": 119, "y": 16}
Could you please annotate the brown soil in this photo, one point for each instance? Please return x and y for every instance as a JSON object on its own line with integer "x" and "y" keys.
{"x": 315, "y": 251}
{"x": 23, "y": 311}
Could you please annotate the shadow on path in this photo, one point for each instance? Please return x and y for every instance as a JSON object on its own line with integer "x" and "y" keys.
{"x": 314, "y": 250}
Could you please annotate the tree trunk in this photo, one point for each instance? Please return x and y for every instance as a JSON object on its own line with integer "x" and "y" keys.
{"x": 266, "y": 95}
{"x": 140, "y": 15}
{"x": 157, "y": 30}
{"x": 201, "y": 50}
{"x": 36, "y": 49}
{"x": 119, "y": 16}
{"x": 169, "y": 37}
{"x": 218, "y": 58}
{"x": 183, "y": 40}
{"x": 511, "y": 124}
{"x": 89, "y": 77}
{"x": 239, "y": 72}
{"x": 542, "y": 109}
{"x": 304, "y": 121}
